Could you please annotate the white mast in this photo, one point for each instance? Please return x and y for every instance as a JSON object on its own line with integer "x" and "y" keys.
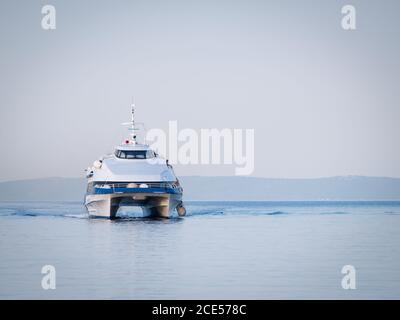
{"x": 132, "y": 128}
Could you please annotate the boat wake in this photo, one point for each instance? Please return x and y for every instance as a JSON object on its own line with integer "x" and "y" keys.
{"x": 76, "y": 210}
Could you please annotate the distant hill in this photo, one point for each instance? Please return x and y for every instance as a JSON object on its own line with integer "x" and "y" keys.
{"x": 223, "y": 188}
{"x": 334, "y": 188}
{"x": 47, "y": 189}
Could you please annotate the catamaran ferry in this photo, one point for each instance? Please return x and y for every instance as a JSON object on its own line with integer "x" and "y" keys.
{"x": 133, "y": 176}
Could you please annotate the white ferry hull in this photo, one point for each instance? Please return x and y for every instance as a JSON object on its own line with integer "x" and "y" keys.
{"x": 160, "y": 205}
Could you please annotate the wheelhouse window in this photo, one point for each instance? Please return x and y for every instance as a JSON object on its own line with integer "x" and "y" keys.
{"x": 134, "y": 154}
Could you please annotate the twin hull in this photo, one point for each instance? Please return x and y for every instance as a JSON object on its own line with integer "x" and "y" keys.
{"x": 154, "y": 204}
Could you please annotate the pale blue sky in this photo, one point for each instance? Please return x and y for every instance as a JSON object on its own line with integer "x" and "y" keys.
{"x": 323, "y": 101}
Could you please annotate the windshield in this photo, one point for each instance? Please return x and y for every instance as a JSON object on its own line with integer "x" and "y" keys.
{"x": 134, "y": 154}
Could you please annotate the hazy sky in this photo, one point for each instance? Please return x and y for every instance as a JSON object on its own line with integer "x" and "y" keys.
{"x": 323, "y": 101}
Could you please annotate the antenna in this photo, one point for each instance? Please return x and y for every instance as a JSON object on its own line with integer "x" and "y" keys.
{"x": 132, "y": 128}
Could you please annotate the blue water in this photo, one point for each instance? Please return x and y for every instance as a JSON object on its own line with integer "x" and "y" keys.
{"x": 221, "y": 250}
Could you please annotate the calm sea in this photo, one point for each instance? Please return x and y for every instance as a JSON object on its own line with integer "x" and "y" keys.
{"x": 221, "y": 250}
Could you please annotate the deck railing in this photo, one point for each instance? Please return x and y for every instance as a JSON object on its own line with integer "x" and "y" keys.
{"x": 132, "y": 185}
